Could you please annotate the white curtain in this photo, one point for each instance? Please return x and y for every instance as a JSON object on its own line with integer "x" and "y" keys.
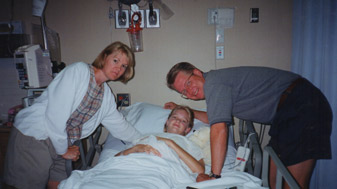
{"x": 315, "y": 57}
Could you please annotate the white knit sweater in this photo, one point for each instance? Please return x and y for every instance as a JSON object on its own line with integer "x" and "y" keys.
{"x": 47, "y": 117}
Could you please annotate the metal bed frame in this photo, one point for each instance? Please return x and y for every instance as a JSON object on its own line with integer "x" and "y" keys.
{"x": 247, "y": 132}
{"x": 257, "y": 164}
{"x": 87, "y": 153}
{"x": 88, "y": 147}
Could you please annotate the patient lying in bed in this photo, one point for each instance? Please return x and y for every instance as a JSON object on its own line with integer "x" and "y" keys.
{"x": 141, "y": 170}
{"x": 179, "y": 122}
{"x": 161, "y": 160}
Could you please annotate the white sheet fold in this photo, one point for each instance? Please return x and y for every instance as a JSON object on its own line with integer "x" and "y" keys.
{"x": 146, "y": 171}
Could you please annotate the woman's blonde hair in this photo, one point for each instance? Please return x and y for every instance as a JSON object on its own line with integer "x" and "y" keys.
{"x": 113, "y": 47}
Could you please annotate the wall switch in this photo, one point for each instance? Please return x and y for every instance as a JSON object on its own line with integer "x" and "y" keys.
{"x": 254, "y": 15}
{"x": 123, "y": 99}
{"x": 220, "y": 52}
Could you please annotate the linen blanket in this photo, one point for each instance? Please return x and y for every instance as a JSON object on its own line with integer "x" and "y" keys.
{"x": 141, "y": 170}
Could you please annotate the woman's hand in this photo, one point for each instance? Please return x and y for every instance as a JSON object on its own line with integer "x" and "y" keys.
{"x": 170, "y": 105}
{"x": 72, "y": 153}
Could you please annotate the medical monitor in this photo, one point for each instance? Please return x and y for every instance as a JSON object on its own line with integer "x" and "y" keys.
{"x": 34, "y": 66}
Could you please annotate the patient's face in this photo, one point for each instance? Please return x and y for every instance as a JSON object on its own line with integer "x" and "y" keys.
{"x": 178, "y": 123}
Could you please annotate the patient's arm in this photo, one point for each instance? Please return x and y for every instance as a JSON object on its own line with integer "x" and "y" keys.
{"x": 140, "y": 148}
{"x": 195, "y": 165}
{"x": 200, "y": 115}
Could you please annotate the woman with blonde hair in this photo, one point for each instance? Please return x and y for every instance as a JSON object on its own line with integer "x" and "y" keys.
{"x": 74, "y": 104}
{"x": 179, "y": 122}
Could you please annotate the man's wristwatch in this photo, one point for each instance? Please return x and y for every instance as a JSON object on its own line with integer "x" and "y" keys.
{"x": 212, "y": 175}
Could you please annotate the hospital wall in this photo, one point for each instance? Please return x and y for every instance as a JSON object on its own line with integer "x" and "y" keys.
{"x": 85, "y": 29}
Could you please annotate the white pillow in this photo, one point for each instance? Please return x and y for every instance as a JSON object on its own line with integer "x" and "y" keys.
{"x": 146, "y": 118}
{"x": 149, "y": 118}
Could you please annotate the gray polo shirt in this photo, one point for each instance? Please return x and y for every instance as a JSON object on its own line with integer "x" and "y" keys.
{"x": 249, "y": 93}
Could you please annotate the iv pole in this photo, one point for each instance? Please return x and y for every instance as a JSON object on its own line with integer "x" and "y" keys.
{"x": 38, "y": 10}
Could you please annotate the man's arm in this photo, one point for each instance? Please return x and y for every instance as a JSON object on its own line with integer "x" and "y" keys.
{"x": 219, "y": 138}
{"x": 200, "y": 115}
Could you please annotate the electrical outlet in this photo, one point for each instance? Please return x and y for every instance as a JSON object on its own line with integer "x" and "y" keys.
{"x": 220, "y": 52}
{"x": 123, "y": 99}
{"x": 254, "y": 15}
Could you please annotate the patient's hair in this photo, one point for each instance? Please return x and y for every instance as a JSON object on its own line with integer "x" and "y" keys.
{"x": 172, "y": 74}
{"x": 113, "y": 47}
{"x": 189, "y": 112}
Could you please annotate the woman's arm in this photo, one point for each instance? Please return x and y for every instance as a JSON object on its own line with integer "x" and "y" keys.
{"x": 200, "y": 115}
{"x": 195, "y": 165}
{"x": 62, "y": 97}
{"x": 140, "y": 148}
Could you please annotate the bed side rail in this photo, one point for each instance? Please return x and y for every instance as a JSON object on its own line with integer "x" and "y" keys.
{"x": 282, "y": 171}
{"x": 247, "y": 132}
{"x": 87, "y": 156}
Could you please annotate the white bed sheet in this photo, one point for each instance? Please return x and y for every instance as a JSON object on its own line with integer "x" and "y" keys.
{"x": 149, "y": 171}
{"x": 141, "y": 170}
{"x": 150, "y": 118}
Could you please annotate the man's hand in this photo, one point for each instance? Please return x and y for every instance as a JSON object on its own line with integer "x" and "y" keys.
{"x": 170, "y": 105}
{"x": 203, "y": 177}
{"x": 72, "y": 153}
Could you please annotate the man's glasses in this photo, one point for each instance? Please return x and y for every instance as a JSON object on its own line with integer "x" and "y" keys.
{"x": 186, "y": 85}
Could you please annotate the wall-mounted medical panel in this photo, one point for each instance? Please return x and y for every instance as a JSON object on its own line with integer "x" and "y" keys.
{"x": 122, "y": 20}
{"x": 142, "y": 13}
{"x": 153, "y": 21}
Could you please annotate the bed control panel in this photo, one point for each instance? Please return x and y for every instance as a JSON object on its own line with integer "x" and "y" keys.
{"x": 241, "y": 158}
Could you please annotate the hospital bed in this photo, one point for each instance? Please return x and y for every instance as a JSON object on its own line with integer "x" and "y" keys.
{"x": 149, "y": 118}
